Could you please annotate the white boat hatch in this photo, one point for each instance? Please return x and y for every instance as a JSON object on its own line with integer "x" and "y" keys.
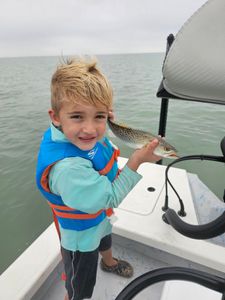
{"x": 148, "y": 191}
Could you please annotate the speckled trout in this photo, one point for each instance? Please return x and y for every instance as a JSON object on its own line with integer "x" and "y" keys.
{"x": 137, "y": 139}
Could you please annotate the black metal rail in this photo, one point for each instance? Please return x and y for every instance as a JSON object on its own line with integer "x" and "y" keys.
{"x": 210, "y": 281}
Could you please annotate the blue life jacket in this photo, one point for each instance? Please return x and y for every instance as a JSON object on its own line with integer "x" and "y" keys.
{"x": 104, "y": 159}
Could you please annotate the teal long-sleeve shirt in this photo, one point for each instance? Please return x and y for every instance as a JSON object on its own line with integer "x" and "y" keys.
{"x": 82, "y": 187}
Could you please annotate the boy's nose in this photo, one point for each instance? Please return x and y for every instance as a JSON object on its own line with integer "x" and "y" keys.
{"x": 89, "y": 127}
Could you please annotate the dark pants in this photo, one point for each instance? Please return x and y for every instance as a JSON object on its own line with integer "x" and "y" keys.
{"x": 81, "y": 270}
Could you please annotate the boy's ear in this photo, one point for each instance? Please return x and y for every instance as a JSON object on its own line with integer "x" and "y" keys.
{"x": 54, "y": 117}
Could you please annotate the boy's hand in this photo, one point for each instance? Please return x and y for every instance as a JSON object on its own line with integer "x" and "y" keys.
{"x": 144, "y": 154}
{"x": 151, "y": 157}
{"x": 111, "y": 115}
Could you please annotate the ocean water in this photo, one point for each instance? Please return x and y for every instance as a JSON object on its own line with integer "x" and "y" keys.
{"x": 193, "y": 128}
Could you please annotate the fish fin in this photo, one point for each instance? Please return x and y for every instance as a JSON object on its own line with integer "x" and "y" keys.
{"x": 124, "y": 125}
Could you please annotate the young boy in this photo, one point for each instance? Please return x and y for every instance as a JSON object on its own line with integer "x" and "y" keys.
{"x": 77, "y": 172}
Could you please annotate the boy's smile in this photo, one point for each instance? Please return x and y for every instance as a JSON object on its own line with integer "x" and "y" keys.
{"x": 83, "y": 125}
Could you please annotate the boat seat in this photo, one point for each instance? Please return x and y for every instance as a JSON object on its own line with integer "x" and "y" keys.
{"x": 185, "y": 290}
{"x": 194, "y": 66}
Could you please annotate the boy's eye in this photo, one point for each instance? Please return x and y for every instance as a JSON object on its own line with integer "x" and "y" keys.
{"x": 76, "y": 117}
{"x": 101, "y": 116}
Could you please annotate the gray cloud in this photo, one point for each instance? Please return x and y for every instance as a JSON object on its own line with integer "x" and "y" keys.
{"x": 52, "y": 27}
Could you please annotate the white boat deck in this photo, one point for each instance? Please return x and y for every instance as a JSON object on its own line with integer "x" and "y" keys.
{"x": 108, "y": 285}
{"x": 139, "y": 223}
{"x": 144, "y": 259}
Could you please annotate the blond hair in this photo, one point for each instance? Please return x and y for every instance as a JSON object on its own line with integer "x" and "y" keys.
{"x": 80, "y": 81}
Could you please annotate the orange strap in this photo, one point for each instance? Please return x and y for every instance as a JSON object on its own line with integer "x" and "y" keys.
{"x": 56, "y": 223}
{"x": 77, "y": 216}
{"x": 64, "y": 214}
{"x": 109, "y": 212}
{"x": 44, "y": 178}
{"x": 109, "y": 165}
{"x": 62, "y": 207}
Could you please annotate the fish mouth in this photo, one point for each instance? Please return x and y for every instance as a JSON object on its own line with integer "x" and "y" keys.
{"x": 173, "y": 155}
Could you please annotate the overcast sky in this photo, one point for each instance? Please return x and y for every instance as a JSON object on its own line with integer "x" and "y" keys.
{"x": 69, "y": 27}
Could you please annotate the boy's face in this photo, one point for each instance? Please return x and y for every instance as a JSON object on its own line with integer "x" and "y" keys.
{"x": 83, "y": 125}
